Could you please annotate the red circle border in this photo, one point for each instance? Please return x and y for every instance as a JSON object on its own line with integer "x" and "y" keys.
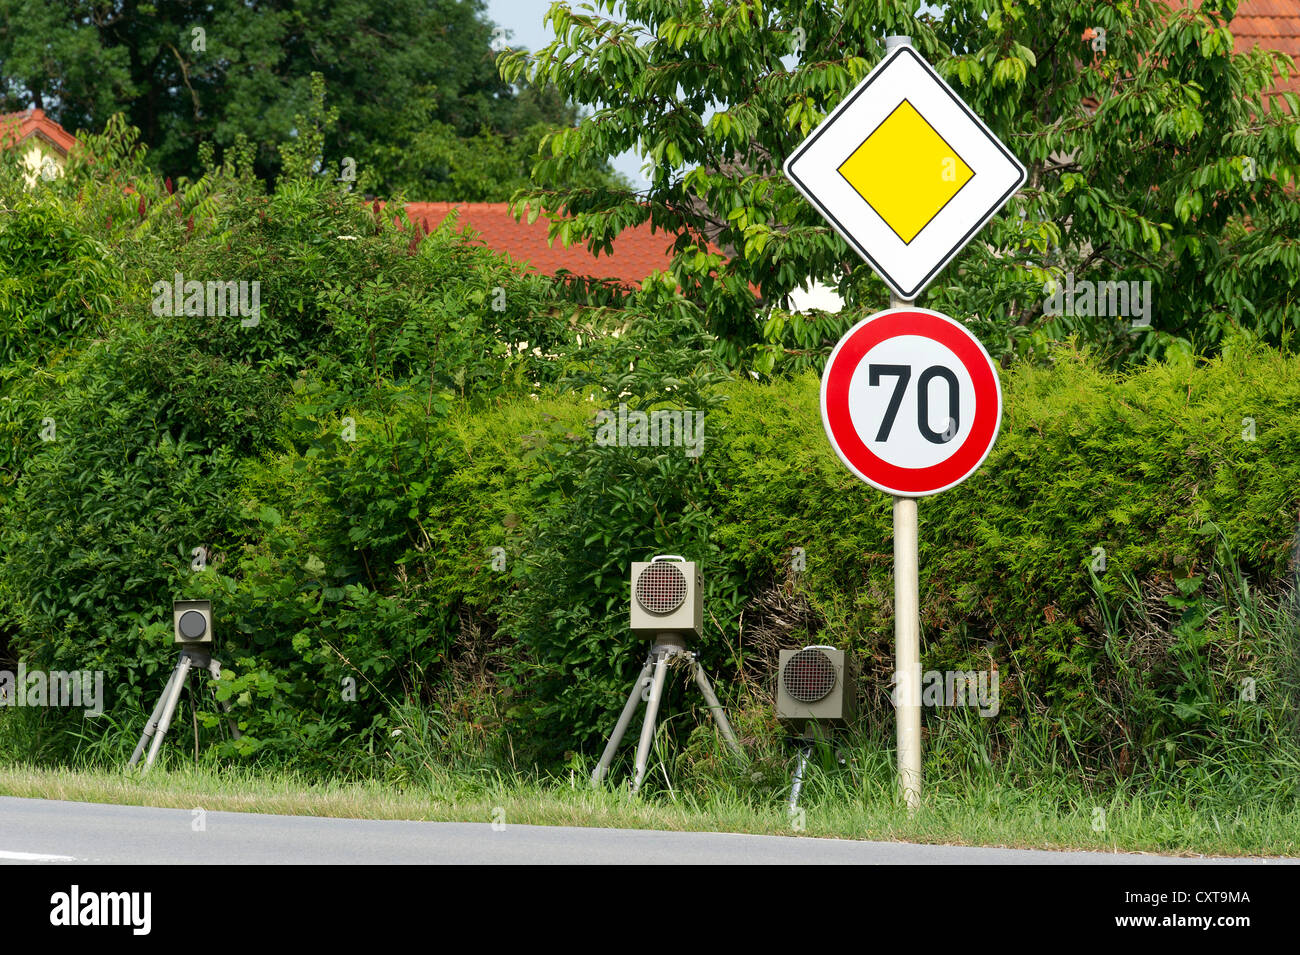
{"x": 844, "y": 360}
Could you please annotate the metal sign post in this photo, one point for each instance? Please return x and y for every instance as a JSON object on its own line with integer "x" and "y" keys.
{"x": 907, "y": 174}
{"x": 907, "y": 650}
{"x": 907, "y": 640}
{"x": 911, "y": 404}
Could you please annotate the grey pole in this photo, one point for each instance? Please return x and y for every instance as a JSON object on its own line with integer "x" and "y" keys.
{"x": 624, "y": 721}
{"x": 719, "y": 715}
{"x": 907, "y": 625}
{"x": 797, "y": 785}
{"x": 907, "y": 650}
{"x": 169, "y": 708}
{"x": 152, "y": 725}
{"x": 651, "y": 711}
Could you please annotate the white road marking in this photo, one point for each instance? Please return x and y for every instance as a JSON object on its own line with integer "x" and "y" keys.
{"x": 34, "y": 857}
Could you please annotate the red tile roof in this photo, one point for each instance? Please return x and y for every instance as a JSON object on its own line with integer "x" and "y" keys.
{"x": 637, "y": 251}
{"x": 1274, "y": 25}
{"x": 34, "y": 122}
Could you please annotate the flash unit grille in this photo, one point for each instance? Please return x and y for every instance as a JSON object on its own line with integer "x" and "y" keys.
{"x": 809, "y": 676}
{"x": 661, "y": 588}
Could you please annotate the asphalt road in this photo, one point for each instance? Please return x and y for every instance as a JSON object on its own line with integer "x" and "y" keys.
{"x": 35, "y": 831}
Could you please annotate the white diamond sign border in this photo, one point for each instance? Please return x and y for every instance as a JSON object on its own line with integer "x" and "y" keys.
{"x": 907, "y": 268}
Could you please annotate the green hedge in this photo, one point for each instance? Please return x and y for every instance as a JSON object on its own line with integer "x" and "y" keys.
{"x": 354, "y": 461}
{"x": 1155, "y": 467}
{"x": 372, "y": 558}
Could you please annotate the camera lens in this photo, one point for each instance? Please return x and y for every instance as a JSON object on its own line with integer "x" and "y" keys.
{"x": 193, "y": 625}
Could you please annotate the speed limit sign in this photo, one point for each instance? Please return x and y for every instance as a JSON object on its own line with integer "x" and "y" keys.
{"x": 911, "y": 401}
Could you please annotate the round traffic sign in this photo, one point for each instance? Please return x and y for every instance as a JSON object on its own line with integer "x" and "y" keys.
{"x": 911, "y": 401}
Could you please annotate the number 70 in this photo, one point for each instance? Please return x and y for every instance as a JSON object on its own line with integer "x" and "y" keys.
{"x": 903, "y": 374}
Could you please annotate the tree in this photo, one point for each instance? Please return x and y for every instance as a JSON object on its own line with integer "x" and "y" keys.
{"x": 53, "y": 59}
{"x": 1153, "y": 183}
{"x": 186, "y": 73}
{"x": 431, "y": 160}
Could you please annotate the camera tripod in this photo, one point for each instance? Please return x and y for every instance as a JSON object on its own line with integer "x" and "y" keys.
{"x": 805, "y": 741}
{"x": 651, "y": 690}
{"x": 192, "y": 655}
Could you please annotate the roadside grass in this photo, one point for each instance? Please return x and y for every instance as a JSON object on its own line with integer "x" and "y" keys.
{"x": 1047, "y": 816}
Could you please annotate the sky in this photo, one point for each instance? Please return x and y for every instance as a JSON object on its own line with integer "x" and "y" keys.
{"x": 523, "y": 21}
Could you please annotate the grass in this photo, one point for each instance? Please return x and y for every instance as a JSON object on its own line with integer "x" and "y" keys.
{"x": 1059, "y": 816}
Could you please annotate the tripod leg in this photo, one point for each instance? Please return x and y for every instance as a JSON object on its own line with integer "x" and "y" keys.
{"x": 797, "y": 785}
{"x": 169, "y": 709}
{"x": 230, "y": 720}
{"x": 152, "y": 725}
{"x": 715, "y": 708}
{"x": 624, "y": 720}
{"x": 648, "y": 727}
{"x": 214, "y": 667}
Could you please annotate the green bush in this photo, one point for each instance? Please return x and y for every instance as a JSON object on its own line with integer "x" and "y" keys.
{"x": 602, "y": 507}
{"x": 1155, "y": 467}
{"x": 125, "y": 453}
{"x": 365, "y": 569}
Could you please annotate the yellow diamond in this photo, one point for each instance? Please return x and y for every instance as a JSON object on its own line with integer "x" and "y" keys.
{"x": 906, "y": 171}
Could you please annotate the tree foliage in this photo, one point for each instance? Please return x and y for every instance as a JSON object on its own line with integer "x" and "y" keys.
{"x": 421, "y": 107}
{"x": 132, "y": 434}
{"x": 1141, "y": 156}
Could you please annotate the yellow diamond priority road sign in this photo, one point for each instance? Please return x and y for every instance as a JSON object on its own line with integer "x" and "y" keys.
{"x": 905, "y": 172}
{"x": 898, "y": 153}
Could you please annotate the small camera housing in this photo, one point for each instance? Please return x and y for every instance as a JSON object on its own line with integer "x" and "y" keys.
{"x": 817, "y": 684}
{"x": 192, "y": 621}
{"x": 667, "y": 597}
